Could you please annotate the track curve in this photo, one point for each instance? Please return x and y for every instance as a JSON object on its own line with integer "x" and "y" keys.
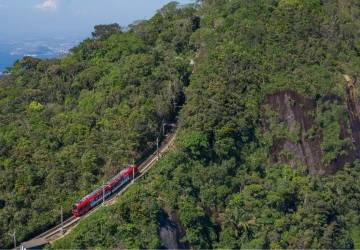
{"x": 58, "y": 231}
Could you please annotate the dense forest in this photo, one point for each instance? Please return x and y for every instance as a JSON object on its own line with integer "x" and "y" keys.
{"x": 265, "y": 96}
{"x": 70, "y": 124}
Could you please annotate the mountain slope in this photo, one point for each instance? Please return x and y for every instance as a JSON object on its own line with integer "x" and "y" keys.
{"x": 267, "y": 147}
{"x": 266, "y": 153}
{"x": 67, "y": 125}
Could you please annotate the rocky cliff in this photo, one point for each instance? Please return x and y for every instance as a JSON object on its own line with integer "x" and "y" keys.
{"x": 297, "y": 114}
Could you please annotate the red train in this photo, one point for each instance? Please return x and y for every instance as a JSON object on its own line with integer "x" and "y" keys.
{"x": 96, "y": 197}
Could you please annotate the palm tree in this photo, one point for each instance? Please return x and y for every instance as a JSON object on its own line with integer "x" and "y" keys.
{"x": 242, "y": 225}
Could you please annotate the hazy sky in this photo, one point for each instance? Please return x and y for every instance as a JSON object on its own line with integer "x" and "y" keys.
{"x": 29, "y": 19}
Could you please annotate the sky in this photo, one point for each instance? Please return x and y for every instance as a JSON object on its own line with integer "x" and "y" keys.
{"x": 34, "y": 19}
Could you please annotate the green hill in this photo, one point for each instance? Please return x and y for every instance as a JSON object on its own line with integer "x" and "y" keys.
{"x": 67, "y": 125}
{"x": 268, "y": 141}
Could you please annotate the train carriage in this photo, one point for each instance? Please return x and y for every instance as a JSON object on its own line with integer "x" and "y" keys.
{"x": 96, "y": 197}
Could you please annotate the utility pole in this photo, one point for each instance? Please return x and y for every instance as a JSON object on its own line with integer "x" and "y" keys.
{"x": 14, "y": 238}
{"x": 103, "y": 196}
{"x": 133, "y": 171}
{"x": 62, "y": 220}
{"x": 157, "y": 147}
{"x": 163, "y": 127}
{"x": 176, "y": 106}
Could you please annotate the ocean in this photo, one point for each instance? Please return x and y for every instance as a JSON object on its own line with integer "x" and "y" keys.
{"x": 50, "y": 48}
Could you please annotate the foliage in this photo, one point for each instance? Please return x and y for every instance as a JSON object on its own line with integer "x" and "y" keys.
{"x": 105, "y": 31}
{"x": 104, "y": 104}
{"x": 69, "y": 124}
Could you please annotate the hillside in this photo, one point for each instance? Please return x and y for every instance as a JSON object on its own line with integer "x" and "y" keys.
{"x": 266, "y": 98}
{"x": 67, "y": 125}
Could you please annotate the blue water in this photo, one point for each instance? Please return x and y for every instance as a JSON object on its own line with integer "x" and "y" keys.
{"x": 50, "y": 48}
{"x": 6, "y": 60}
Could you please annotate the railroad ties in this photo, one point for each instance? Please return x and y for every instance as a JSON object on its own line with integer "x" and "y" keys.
{"x": 58, "y": 231}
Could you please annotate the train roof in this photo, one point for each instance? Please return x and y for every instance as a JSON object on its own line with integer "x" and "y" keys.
{"x": 121, "y": 173}
{"x": 99, "y": 190}
{"x": 91, "y": 194}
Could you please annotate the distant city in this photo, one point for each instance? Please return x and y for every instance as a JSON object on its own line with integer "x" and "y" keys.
{"x": 40, "y": 48}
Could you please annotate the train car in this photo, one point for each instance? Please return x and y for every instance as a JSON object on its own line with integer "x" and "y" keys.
{"x": 96, "y": 197}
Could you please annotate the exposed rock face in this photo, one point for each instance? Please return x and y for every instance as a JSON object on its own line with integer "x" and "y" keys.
{"x": 354, "y": 113}
{"x": 170, "y": 232}
{"x": 294, "y": 110}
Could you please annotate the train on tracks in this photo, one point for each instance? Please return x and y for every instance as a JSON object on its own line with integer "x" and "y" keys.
{"x": 98, "y": 196}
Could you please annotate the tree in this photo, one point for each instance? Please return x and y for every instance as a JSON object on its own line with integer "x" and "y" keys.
{"x": 104, "y": 31}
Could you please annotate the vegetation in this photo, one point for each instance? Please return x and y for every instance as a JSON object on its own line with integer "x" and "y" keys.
{"x": 67, "y": 124}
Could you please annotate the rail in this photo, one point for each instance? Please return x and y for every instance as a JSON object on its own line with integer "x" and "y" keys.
{"x": 60, "y": 231}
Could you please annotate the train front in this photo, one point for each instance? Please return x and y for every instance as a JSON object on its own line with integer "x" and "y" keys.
{"x": 76, "y": 210}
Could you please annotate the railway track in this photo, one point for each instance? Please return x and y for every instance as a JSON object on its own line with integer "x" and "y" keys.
{"x": 61, "y": 230}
